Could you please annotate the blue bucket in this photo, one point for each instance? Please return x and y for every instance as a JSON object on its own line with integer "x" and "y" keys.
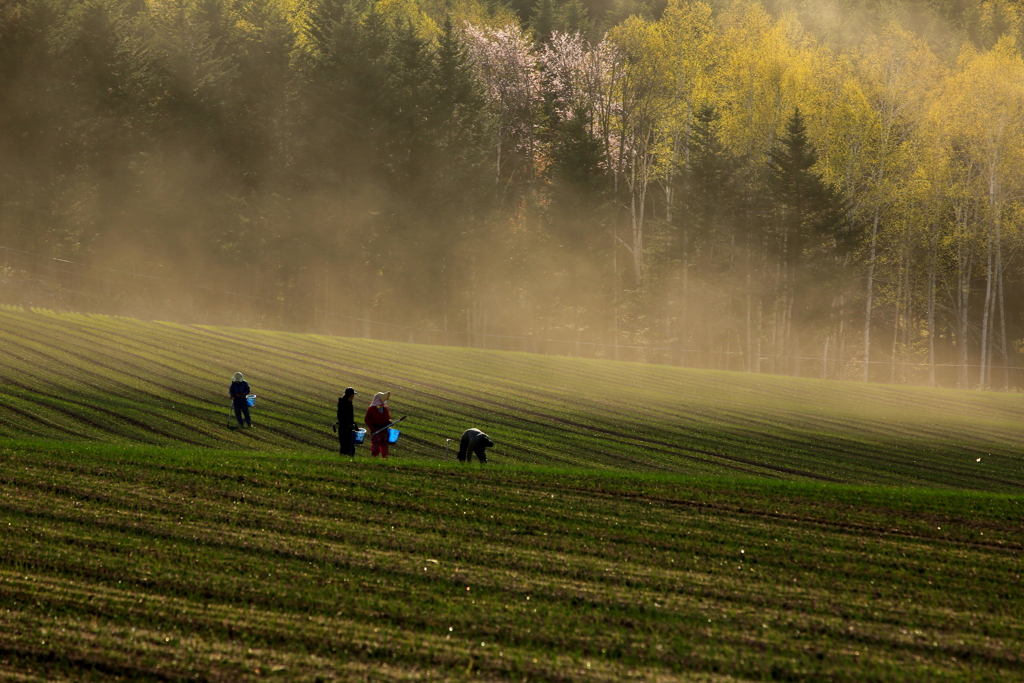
{"x": 360, "y": 436}
{"x": 393, "y": 435}
{"x": 250, "y": 400}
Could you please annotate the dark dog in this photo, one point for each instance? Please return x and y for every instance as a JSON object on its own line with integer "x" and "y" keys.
{"x": 474, "y": 441}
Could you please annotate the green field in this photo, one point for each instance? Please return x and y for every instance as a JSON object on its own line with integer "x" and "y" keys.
{"x": 636, "y": 523}
{"x": 96, "y": 378}
{"x": 167, "y": 564}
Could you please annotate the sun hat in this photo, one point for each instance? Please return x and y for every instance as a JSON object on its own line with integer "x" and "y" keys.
{"x": 380, "y": 398}
{"x": 237, "y": 377}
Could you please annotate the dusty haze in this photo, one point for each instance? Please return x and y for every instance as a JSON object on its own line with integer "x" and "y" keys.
{"x": 792, "y": 188}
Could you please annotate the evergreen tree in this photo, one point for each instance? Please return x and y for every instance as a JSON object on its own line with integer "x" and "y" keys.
{"x": 711, "y": 196}
{"x": 579, "y": 183}
{"x": 331, "y": 101}
{"x": 327, "y": 25}
{"x": 806, "y": 219}
{"x": 403, "y": 103}
{"x": 806, "y": 210}
{"x": 572, "y": 17}
{"x": 543, "y": 21}
{"x": 458, "y": 121}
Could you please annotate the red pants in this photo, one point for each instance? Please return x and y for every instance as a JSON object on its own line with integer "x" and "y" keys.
{"x": 379, "y": 444}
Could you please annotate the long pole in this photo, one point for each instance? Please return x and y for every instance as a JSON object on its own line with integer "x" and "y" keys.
{"x": 388, "y": 426}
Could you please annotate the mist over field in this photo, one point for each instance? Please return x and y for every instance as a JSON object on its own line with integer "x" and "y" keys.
{"x": 796, "y": 188}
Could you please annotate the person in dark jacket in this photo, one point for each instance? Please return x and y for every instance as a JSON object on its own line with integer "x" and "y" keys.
{"x": 474, "y": 441}
{"x": 346, "y": 425}
{"x": 377, "y": 418}
{"x": 238, "y": 391}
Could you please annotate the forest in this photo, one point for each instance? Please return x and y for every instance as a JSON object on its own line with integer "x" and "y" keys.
{"x": 808, "y": 188}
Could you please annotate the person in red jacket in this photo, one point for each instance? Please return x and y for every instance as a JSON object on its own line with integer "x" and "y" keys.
{"x": 378, "y": 417}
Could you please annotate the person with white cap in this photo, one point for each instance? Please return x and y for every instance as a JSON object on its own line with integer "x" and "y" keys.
{"x": 346, "y": 424}
{"x": 238, "y": 392}
{"x": 377, "y": 418}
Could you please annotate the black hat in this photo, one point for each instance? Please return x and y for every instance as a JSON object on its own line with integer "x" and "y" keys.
{"x": 350, "y": 391}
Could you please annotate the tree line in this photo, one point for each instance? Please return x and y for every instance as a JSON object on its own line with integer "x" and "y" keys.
{"x": 740, "y": 185}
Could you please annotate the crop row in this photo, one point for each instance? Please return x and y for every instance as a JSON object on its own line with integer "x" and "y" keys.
{"x": 172, "y": 565}
{"x": 116, "y": 380}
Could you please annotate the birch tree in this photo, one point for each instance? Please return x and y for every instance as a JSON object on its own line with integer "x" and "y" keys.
{"x": 646, "y": 95}
{"x": 883, "y": 102}
{"x": 692, "y": 41}
{"x": 758, "y": 80}
{"x": 988, "y": 97}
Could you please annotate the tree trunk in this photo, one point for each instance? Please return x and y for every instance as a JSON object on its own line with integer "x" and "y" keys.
{"x": 896, "y": 324}
{"x": 931, "y": 312}
{"x": 1002, "y": 314}
{"x": 965, "y": 262}
{"x": 750, "y": 341}
{"x": 792, "y": 347}
{"x": 908, "y": 320}
{"x": 870, "y": 296}
{"x": 773, "y": 367}
{"x": 669, "y": 177}
{"x": 824, "y": 360}
{"x": 758, "y": 315}
{"x": 637, "y": 216}
{"x": 841, "y": 339}
{"x": 684, "y": 316}
{"x": 986, "y": 317}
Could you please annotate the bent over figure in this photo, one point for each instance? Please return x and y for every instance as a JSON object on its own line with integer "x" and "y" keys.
{"x": 474, "y": 441}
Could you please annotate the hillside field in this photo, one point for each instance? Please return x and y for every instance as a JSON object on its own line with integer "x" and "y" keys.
{"x": 635, "y": 522}
{"x": 121, "y": 381}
